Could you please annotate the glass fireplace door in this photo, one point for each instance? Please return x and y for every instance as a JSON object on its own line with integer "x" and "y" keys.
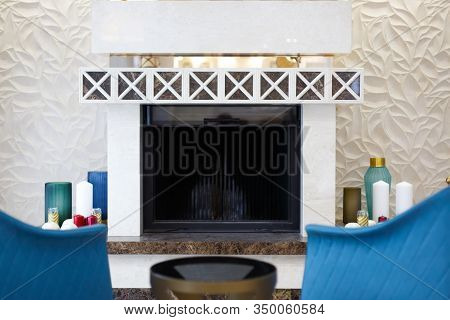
{"x": 220, "y": 169}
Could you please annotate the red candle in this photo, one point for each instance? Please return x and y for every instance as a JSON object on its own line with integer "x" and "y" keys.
{"x": 78, "y": 220}
{"x": 382, "y": 219}
{"x": 91, "y": 220}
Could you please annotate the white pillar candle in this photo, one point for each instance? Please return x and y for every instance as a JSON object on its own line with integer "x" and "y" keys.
{"x": 380, "y": 200}
{"x": 403, "y": 197}
{"x": 84, "y": 198}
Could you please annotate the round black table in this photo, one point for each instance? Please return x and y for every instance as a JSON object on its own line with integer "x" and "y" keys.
{"x": 213, "y": 277}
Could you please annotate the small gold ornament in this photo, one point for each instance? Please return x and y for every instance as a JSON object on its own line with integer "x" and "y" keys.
{"x": 150, "y": 62}
{"x": 97, "y": 212}
{"x": 53, "y": 215}
{"x": 287, "y": 62}
{"x": 362, "y": 218}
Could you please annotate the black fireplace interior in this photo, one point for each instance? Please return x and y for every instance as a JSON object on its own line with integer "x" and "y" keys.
{"x": 220, "y": 168}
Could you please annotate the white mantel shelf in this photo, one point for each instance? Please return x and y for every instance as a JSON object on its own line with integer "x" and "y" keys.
{"x": 221, "y": 86}
{"x": 283, "y": 27}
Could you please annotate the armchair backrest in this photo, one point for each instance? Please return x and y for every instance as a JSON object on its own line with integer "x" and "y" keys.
{"x": 48, "y": 264}
{"x": 407, "y": 257}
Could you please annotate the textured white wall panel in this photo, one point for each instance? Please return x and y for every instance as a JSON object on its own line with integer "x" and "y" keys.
{"x": 45, "y": 134}
{"x": 404, "y": 47}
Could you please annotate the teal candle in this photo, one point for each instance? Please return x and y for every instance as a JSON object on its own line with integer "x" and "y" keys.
{"x": 59, "y": 195}
{"x": 376, "y": 172}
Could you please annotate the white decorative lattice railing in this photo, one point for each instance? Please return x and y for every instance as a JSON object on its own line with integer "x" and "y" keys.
{"x": 221, "y": 86}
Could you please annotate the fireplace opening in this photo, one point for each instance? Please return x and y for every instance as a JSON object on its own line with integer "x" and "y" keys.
{"x": 220, "y": 168}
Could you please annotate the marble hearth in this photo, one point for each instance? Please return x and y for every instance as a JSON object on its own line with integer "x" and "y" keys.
{"x": 131, "y": 257}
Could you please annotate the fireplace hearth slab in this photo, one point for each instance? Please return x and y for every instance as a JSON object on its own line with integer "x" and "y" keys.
{"x": 146, "y": 294}
{"x": 210, "y": 243}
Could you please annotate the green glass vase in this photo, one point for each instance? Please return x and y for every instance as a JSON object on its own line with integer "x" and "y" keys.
{"x": 376, "y": 172}
{"x": 59, "y": 195}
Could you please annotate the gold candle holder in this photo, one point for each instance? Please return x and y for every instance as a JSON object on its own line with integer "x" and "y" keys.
{"x": 97, "y": 212}
{"x": 53, "y": 215}
{"x": 352, "y": 204}
{"x": 362, "y": 218}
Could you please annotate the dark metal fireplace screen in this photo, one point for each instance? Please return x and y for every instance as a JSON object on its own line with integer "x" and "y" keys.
{"x": 217, "y": 168}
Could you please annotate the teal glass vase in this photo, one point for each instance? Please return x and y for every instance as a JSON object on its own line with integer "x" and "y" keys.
{"x": 376, "y": 172}
{"x": 59, "y": 195}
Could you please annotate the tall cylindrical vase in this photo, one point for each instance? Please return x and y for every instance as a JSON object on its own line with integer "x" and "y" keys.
{"x": 59, "y": 195}
{"x": 376, "y": 172}
{"x": 99, "y": 180}
{"x": 352, "y": 204}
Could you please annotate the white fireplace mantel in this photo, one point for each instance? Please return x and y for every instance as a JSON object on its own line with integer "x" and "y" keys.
{"x": 125, "y": 89}
{"x": 236, "y": 28}
{"x": 124, "y": 172}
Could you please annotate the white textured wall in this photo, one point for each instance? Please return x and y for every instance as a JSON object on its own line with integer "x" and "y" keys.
{"x": 404, "y": 47}
{"x": 45, "y": 134}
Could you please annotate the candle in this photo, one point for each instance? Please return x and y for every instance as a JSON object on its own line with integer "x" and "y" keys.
{"x": 78, "y": 220}
{"x": 50, "y": 226}
{"x": 352, "y": 225}
{"x": 403, "y": 197}
{"x": 68, "y": 225}
{"x": 90, "y": 220}
{"x": 380, "y": 199}
{"x": 84, "y": 198}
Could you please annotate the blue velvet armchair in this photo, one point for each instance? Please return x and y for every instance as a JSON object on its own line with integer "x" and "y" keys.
{"x": 407, "y": 257}
{"x": 48, "y": 264}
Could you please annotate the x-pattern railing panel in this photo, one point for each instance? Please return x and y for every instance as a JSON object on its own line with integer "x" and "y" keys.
{"x": 203, "y": 85}
{"x": 239, "y": 86}
{"x": 132, "y": 85}
{"x": 310, "y": 86}
{"x": 350, "y": 85}
{"x": 275, "y": 85}
{"x": 92, "y": 89}
{"x": 221, "y": 86}
{"x": 168, "y": 86}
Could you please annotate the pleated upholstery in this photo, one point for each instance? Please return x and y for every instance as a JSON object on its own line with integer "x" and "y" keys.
{"x": 407, "y": 257}
{"x": 48, "y": 264}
